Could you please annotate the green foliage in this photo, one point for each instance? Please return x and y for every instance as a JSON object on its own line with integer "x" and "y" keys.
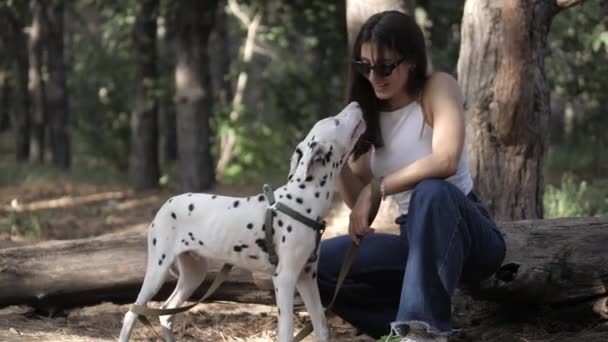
{"x": 302, "y": 82}
{"x": 576, "y": 198}
{"x": 101, "y": 79}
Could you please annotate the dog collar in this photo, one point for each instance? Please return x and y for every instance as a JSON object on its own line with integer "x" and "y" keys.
{"x": 318, "y": 227}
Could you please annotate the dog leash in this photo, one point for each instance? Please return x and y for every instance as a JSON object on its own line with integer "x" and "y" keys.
{"x": 346, "y": 264}
{"x": 143, "y": 311}
{"x": 348, "y": 259}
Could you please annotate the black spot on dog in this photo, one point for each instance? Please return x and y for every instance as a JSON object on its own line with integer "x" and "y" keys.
{"x": 250, "y": 226}
{"x": 190, "y": 233}
{"x": 279, "y": 311}
{"x": 264, "y": 227}
{"x": 280, "y": 223}
{"x": 288, "y": 196}
{"x": 313, "y": 144}
{"x": 307, "y": 269}
{"x": 248, "y": 198}
{"x": 302, "y": 186}
{"x": 290, "y": 177}
{"x": 192, "y": 238}
{"x": 160, "y": 262}
{"x": 189, "y": 194}
{"x": 274, "y": 214}
{"x": 275, "y": 274}
{"x": 262, "y": 244}
{"x": 283, "y": 239}
{"x": 298, "y": 180}
{"x": 309, "y": 179}
{"x": 244, "y": 246}
{"x": 314, "y": 275}
{"x": 280, "y": 196}
{"x": 170, "y": 199}
{"x": 322, "y": 183}
{"x": 254, "y": 257}
{"x": 213, "y": 197}
{"x": 200, "y": 242}
{"x": 237, "y": 248}
{"x": 174, "y": 216}
{"x": 191, "y": 207}
{"x": 299, "y": 200}
{"x": 236, "y": 204}
{"x": 261, "y": 198}
{"x": 327, "y": 195}
{"x": 316, "y": 194}
{"x": 163, "y": 256}
{"x": 152, "y": 224}
{"x": 331, "y": 174}
{"x": 154, "y": 242}
{"x": 308, "y": 210}
{"x": 289, "y": 229}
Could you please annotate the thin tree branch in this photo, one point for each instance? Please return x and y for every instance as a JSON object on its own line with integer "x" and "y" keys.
{"x": 568, "y": 3}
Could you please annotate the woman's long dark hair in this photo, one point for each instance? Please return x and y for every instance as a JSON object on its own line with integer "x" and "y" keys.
{"x": 396, "y": 31}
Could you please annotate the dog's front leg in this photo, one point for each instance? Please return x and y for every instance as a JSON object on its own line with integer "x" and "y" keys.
{"x": 309, "y": 291}
{"x": 284, "y": 285}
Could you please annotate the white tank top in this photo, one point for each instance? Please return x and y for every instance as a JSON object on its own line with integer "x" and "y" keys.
{"x": 403, "y": 145}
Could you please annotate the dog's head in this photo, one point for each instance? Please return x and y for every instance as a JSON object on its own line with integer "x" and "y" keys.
{"x": 329, "y": 143}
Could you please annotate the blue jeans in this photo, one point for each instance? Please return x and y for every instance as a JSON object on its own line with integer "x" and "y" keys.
{"x": 447, "y": 239}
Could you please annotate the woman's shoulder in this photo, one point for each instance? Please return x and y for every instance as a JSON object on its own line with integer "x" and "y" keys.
{"x": 439, "y": 88}
{"x": 439, "y": 81}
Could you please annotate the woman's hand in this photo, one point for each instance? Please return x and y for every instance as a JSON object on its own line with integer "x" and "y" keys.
{"x": 359, "y": 225}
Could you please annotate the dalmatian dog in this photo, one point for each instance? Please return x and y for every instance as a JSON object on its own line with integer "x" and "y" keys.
{"x": 191, "y": 228}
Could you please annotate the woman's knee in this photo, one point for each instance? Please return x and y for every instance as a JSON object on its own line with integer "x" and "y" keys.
{"x": 431, "y": 190}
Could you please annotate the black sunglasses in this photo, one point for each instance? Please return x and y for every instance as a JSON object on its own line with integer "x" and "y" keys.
{"x": 383, "y": 70}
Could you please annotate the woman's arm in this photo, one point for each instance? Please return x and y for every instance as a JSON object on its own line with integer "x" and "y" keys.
{"x": 354, "y": 176}
{"x": 443, "y": 106}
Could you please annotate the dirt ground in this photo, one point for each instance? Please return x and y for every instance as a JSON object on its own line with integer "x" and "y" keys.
{"x": 45, "y": 210}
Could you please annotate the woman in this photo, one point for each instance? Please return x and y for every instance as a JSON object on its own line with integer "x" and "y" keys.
{"x": 414, "y": 149}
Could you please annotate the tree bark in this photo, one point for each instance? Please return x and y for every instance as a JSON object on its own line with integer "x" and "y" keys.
{"x": 56, "y": 89}
{"x": 500, "y": 70}
{"x": 36, "y": 80}
{"x": 13, "y": 21}
{"x": 358, "y": 11}
{"x": 143, "y": 160}
{"x": 64, "y": 274}
{"x": 193, "y": 94}
{"x": 554, "y": 262}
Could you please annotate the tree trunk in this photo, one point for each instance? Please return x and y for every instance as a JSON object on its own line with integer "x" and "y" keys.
{"x": 114, "y": 270}
{"x": 36, "y": 80}
{"x": 166, "y": 62}
{"x": 193, "y": 94}
{"x": 554, "y": 262}
{"x": 143, "y": 160}
{"x": 358, "y": 11}
{"x": 17, "y": 39}
{"x": 56, "y": 89}
{"x": 500, "y": 70}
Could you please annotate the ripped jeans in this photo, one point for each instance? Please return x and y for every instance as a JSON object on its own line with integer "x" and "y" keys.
{"x": 447, "y": 239}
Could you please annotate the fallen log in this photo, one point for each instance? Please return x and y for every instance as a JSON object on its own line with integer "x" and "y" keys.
{"x": 556, "y": 262}
{"x": 72, "y": 273}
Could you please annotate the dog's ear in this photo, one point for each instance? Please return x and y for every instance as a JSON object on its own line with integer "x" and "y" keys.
{"x": 296, "y": 157}
{"x": 320, "y": 155}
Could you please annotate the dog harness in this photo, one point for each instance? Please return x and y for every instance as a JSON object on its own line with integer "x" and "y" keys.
{"x": 273, "y": 206}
